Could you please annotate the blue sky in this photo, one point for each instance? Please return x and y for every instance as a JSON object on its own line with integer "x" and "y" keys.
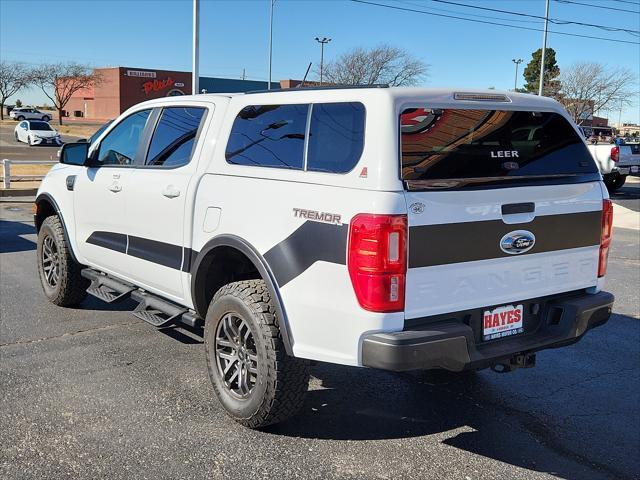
{"x": 234, "y": 35}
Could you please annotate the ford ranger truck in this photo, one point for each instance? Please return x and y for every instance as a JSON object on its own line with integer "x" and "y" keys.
{"x": 390, "y": 228}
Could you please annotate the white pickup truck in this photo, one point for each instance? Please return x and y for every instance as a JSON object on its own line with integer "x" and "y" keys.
{"x": 615, "y": 162}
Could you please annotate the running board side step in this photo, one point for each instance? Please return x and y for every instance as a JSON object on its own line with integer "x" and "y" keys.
{"x": 156, "y": 311}
{"x": 106, "y": 288}
{"x": 151, "y": 308}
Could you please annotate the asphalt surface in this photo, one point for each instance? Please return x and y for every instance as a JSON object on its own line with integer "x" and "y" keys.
{"x": 93, "y": 392}
{"x": 17, "y": 151}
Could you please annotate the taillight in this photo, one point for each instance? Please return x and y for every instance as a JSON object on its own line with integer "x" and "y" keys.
{"x": 615, "y": 153}
{"x": 605, "y": 236}
{"x": 378, "y": 261}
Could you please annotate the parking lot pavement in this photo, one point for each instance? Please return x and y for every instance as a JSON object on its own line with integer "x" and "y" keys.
{"x": 94, "y": 393}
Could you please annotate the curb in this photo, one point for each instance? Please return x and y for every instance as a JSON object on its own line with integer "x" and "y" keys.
{"x": 24, "y": 192}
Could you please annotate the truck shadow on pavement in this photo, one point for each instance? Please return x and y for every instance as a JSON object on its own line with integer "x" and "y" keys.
{"x": 473, "y": 412}
{"x": 11, "y": 233}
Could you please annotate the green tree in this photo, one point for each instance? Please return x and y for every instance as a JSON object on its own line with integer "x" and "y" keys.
{"x": 551, "y": 73}
{"x": 18, "y": 103}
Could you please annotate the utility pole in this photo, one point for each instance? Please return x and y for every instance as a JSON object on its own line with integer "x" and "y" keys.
{"x": 322, "y": 43}
{"x": 271, "y": 2}
{"x": 515, "y": 82}
{"x": 195, "y": 74}
{"x": 544, "y": 48}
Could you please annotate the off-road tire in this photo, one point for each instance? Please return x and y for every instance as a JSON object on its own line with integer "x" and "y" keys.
{"x": 71, "y": 286}
{"x": 282, "y": 380}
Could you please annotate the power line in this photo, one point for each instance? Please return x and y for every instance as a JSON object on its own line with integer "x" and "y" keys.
{"x": 556, "y": 21}
{"x": 627, "y": 1}
{"x": 595, "y": 6}
{"x": 395, "y": 7}
{"x": 491, "y": 17}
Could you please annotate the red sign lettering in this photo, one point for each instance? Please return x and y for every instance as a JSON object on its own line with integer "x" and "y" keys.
{"x": 157, "y": 85}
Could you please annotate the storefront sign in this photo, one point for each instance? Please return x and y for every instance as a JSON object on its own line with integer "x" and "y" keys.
{"x": 140, "y": 73}
{"x": 157, "y": 85}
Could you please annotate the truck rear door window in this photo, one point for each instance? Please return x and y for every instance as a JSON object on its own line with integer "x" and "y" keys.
{"x": 269, "y": 136}
{"x": 457, "y": 147}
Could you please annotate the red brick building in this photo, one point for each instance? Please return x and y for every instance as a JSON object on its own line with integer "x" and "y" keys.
{"x": 123, "y": 87}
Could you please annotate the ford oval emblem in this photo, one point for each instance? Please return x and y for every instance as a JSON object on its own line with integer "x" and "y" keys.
{"x": 520, "y": 241}
{"x": 417, "y": 207}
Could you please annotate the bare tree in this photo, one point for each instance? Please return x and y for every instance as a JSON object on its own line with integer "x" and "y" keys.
{"x": 382, "y": 65}
{"x": 59, "y": 81}
{"x": 13, "y": 77}
{"x": 589, "y": 87}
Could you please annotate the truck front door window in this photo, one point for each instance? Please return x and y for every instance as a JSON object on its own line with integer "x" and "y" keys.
{"x": 120, "y": 144}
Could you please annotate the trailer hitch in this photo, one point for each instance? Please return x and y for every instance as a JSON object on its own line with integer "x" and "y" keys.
{"x": 522, "y": 360}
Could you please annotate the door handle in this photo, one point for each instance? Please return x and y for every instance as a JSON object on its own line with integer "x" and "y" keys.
{"x": 171, "y": 192}
{"x": 115, "y": 188}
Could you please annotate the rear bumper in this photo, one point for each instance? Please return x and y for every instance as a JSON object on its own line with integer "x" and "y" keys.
{"x": 451, "y": 345}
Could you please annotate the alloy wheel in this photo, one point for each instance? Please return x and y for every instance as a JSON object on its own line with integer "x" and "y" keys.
{"x": 50, "y": 261}
{"x": 236, "y": 355}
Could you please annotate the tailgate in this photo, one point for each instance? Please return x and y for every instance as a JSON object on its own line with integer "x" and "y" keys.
{"x": 459, "y": 255}
{"x": 503, "y": 206}
{"x": 629, "y": 155}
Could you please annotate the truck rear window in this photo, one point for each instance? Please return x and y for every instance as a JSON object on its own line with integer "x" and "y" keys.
{"x": 454, "y": 147}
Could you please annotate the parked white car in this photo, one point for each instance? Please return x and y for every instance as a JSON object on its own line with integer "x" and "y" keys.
{"x": 37, "y": 132}
{"x": 29, "y": 113}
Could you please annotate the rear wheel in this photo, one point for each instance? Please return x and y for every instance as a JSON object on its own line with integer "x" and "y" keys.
{"x": 614, "y": 181}
{"x": 256, "y": 382}
{"x": 59, "y": 272}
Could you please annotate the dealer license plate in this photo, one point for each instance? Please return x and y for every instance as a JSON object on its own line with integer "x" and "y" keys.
{"x": 502, "y": 322}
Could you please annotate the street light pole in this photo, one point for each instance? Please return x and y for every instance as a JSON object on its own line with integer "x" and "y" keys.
{"x": 271, "y": 2}
{"x": 195, "y": 74}
{"x": 322, "y": 41}
{"x": 544, "y": 48}
{"x": 515, "y": 82}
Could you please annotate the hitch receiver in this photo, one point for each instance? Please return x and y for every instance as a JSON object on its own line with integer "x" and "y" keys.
{"x": 522, "y": 360}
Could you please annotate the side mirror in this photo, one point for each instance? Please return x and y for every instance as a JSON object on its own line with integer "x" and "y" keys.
{"x": 74, "y": 153}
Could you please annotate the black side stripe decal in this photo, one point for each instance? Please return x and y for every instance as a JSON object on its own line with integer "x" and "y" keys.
{"x": 188, "y": 260}
{"x": 311, "y": 242}
{"x": 110, "y": 240}
{"x": 161, "y": 253}
{"x": 431, "y": 245}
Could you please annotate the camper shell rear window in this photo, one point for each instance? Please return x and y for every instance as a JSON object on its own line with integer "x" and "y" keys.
{"x": 443, "y": 148}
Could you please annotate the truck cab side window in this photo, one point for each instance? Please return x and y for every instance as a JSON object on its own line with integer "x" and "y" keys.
{"x": 174, "y": 137}
{"x": 119, "y": 146}
{"x": 269, "y": 136}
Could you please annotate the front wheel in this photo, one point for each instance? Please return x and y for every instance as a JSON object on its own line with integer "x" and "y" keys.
{"x": 59, "y": 272}
{"x": 20, "y": 118}
{"x": 46, "y": 118}
{"x": 255, "y": 380}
